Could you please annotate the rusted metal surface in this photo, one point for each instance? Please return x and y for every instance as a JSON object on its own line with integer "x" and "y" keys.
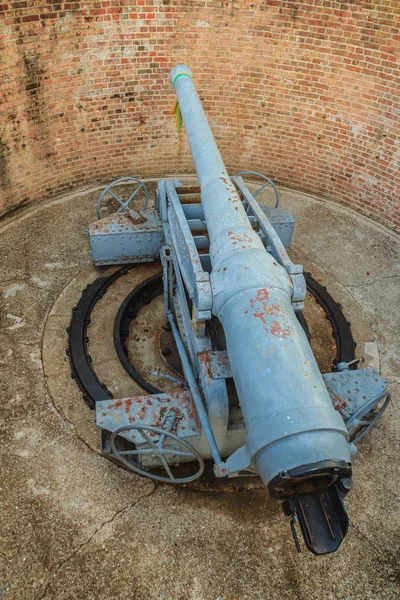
{"x": 215, "y": 364}
{"x": 189, "y": 189}
{"x": 169, "y": 352}
{"x": 350, "y": 390}
{"x": 149, "y": 410}
{"x": 122, "y": 223}
{"x": 338, "y": 402}
{"x": 189, "y": 198}
{"x": 126, "y": 237}
{"x": 272, "y": 315}
{"x": 135, "y": 216}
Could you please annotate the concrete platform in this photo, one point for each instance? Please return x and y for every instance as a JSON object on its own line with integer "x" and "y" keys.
{"x": 76, "y": 526}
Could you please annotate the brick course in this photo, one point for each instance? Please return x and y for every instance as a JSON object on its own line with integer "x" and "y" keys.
{"x": 304, "y": 91}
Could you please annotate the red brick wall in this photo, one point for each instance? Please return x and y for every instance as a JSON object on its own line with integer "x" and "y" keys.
{"x": 305, "y": 91}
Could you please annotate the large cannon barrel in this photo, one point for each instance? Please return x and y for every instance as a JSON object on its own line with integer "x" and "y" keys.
{"x": 295, "y": 437}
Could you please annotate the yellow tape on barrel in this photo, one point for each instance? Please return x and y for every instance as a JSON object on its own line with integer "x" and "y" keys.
{"x": 176, "y": 108}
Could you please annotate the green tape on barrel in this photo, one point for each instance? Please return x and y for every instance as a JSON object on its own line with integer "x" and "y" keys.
{"x": 180, "y": 75}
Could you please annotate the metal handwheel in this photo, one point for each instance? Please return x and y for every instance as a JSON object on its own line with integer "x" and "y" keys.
{"x": 123, "y": 205}
{"x": 260, "y": 189}
{"x": 157, "y": 449}
{"x": 364, "y": 418}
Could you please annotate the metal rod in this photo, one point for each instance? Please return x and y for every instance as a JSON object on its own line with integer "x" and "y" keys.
{"x": 198, "y": 401}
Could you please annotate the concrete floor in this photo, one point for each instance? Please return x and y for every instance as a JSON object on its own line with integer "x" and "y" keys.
{"x": 75, "y": 526}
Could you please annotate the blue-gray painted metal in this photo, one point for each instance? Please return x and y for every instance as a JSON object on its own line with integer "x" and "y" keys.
{"x": 127, "y": 237}
{"x": 219, "y": 466}
{"x": 123, "y": 203}
{"x": 283, "y": 223}
{"x": 281, "y": 220}
{"x": 196, "y": 279}
{"x": 246, "y": 278}
{"x": 260, "y": 189}
{"x": 287, "y": 410}
{"x": 356, "y": 394}
{"x": 273, "y": 242}
{"x": 148, "y": 410}
{"x": 199, "y": 347}
{"x": 162, "y": 445}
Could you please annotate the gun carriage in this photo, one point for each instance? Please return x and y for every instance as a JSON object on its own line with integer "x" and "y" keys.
{"x": 252, "y": 398}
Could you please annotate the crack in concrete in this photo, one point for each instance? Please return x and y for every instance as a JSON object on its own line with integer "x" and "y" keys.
{"x": 376, "y": 548}
{"x": 345, "y": 286}
{"x": 65, "y": 420}
{"x": 117, "y": 514}
{"x": 19, "y": 342}
{"x": 386, "y": 553}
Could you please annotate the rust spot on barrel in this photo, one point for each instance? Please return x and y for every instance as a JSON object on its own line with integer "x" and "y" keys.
{"x": 240, "y": 237}
{"x": 142, "y": 412}
{"x": 262, "y": 295}
{"x": 277, "y": 330}
{"x": 260, "y": 316}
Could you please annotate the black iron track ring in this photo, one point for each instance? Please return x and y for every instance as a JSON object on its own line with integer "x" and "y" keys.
{"x": 149, "y": 289}
{"x": 79, "y": 358}
{"x": 345, "y": 344}
{"x": 81, "y": 370}
{"x": 142, "y": 294}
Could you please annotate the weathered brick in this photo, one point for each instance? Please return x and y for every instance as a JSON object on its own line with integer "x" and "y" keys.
{"x": 305, "y": 92}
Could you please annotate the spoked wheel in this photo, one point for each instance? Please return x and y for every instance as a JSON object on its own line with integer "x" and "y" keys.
{"x": 366, "y": 417}
{"x": 123, "y": 205}
{"x": 156, "y": 449}
{"x": 267, "y": 180}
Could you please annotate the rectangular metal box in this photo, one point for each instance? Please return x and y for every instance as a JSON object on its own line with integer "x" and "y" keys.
{"x": 118, "y": 239}
{"x": 282, "y": 221}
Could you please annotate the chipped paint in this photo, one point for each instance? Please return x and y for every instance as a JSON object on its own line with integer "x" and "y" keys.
{"x": 149, "y": 410}
{"x": 338, "y": 402}
{"x": 277, "y": 330}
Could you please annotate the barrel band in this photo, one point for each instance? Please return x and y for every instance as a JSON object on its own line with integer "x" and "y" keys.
{"x": 180, "y": 75}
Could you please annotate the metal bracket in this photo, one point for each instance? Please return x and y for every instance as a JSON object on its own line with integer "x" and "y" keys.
{"x": 215, "y": 364}
{"x": 278, "y": 250}
{"x": 356, "y": 395}
{"x": 197, "y": 280}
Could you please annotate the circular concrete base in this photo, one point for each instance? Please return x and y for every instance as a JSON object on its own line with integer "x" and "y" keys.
{"x": 74, "y": 525}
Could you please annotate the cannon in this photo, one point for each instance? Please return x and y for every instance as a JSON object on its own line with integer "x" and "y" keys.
{"x": 252, "y": 399}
